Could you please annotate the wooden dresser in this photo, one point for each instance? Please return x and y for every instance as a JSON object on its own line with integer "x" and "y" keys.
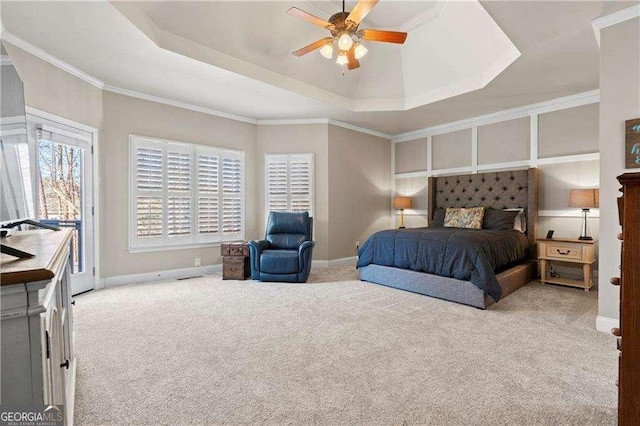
{"x": 629, "y": 282}
{"x": 38, "y": 363}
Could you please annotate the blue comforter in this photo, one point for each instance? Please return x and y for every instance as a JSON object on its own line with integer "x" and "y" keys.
{"x": 465, "y": 254}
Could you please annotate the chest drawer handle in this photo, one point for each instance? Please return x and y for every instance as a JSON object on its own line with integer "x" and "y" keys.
{"x": 564, "y": 253}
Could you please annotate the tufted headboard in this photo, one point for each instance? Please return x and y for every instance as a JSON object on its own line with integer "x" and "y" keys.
{"x": 498, "y": 190}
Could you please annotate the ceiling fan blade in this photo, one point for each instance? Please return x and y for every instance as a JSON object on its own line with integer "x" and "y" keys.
{"x": 294, "y": 11}
{"x": 313, "y": 46}
{"x": 360, "y": 11}
{"x": 351, "y": 56}
{"x": 384, "y": 36}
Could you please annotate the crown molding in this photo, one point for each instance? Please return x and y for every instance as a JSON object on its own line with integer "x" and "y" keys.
{"x": 538, "y": 108}
{"x": 579, "y": 99}
{"x": 331, "y": 121}
{"x": 360, "y": 129}
{"x": 59, "y": 63}
{"x": 293, "y": 121}
{"x": 178, "y": 104}
{"x": 614, "y": 19}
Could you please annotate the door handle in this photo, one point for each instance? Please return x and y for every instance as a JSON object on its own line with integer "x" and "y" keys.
{"x": 65, "y": 364}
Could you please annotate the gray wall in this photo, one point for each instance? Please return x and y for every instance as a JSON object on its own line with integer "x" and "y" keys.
{"x": 359, "y": 185}
{"x": 52, "y": 90}
{"x": 452, "y": 149}
{"x": 300, "y": 138}
{"x": 124, "y": 115}
{"x": 619, "y": 101}
{"x": 351, "y": 182}
{"x": 569, "y": 131}
{"x": 411, "y": 156}
{"x": 504, "y": 141}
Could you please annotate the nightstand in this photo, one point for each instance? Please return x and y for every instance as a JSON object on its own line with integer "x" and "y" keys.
{"x": 569, "y": 250}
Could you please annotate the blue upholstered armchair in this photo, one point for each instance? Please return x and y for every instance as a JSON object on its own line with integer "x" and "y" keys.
{"x": 285, "y": 253}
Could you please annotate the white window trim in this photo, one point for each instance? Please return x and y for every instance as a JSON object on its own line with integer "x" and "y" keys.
{"x": 164, "y": 245}
{"x": 288, "y": 157}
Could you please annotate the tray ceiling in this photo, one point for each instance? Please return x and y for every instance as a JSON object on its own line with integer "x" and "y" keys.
{"x": 452, "y": 48}
{"x": 559, "y": 58}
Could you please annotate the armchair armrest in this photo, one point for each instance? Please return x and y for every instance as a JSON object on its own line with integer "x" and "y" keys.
{"x": 255, "y": 250}
{"x": 304, "y": 254}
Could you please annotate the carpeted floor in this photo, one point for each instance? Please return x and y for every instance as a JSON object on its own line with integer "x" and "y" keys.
{"x": 338, "y": 351}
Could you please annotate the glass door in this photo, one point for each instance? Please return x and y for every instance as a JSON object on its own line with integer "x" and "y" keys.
{"x": 64, "y": 182}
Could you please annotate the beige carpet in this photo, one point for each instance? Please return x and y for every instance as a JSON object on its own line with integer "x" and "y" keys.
{"x": 338, "y": 351}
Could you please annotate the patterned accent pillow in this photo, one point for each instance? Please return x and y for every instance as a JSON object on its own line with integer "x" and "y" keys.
{"x": 464, "y": 218}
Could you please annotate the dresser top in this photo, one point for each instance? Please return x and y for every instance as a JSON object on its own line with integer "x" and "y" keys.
{"x": 567, "y": 240}
{"x": 47, "y": 246}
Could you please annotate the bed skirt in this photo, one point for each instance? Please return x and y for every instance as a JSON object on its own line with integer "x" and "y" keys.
{"x": 446, "y": 288}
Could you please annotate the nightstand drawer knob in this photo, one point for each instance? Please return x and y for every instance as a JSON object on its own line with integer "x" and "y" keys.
{"x": 620, "y": 236}
{"x": 615, "y": 280}
{"x": 615, "y": 331}
{"x": 562, "y": 252}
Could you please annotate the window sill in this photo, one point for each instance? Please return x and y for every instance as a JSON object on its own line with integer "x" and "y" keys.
{"x": 179, "y": 247}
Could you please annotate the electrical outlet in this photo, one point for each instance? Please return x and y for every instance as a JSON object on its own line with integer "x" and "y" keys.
{"x": 198, "y": 262}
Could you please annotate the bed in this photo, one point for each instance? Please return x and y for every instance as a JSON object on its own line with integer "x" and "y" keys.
{"x": 472, "y": 267}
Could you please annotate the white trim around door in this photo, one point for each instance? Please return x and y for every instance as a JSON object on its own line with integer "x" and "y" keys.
{"x": 34, "y": 112}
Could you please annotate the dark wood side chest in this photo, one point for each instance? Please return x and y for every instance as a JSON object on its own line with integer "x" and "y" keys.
{"x": 629, "y": 282}
{"x": 235, "y": 261}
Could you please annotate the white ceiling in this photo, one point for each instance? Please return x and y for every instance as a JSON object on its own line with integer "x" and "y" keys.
{"x": 256, "y": 39}
{"x": 559, "y": 55}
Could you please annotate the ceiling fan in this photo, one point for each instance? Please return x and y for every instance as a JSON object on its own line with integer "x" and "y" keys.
{"x": 343, "y": 27}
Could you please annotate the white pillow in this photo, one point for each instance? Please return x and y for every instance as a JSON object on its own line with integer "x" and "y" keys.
{"x": 520, "y": 222}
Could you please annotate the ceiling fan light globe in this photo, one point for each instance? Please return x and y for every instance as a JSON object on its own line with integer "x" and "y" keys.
{"x": 342, "y": 59}
{"x": 345, "y": 41}
{"x": 360, "y": 50}
{"x": 327, "y": 51}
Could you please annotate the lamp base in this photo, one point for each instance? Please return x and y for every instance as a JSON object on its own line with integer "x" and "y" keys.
{"x": 586, "y": 238}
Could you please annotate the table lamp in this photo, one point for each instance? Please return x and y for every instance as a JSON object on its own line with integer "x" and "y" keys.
{"x": 401, "y": 203}
{"x": 584, "y": 199}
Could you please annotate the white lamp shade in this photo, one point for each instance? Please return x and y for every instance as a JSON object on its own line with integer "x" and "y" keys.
{"x": 360, "y": 50}
{"x": 345, "y": 41}
{"x": 327, "y": 51}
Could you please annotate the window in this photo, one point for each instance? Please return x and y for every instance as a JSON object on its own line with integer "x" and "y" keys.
{"x": 289, "y": 183}
{"x": 184, "y": 194}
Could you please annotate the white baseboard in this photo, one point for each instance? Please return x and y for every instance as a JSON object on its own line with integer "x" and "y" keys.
{"x": 605, "y": 324}
{"x": 335, "y": 262}
{"x": 172, "y": 274}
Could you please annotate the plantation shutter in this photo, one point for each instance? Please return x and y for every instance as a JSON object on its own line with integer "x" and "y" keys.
{"x": 277, "y": 186}
{"x": 289, "y": 183}
{"x": 300, "y": 169}
{"x": 208, "y": 199}
{"x": 178, "y": 193}
{"x": 184, "y": 194}
{"x": 149, "y": 211}
{"x": 232, "y": 217}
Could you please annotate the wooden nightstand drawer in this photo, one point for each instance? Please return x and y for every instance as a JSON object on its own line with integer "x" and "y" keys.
{"x": 561, "y": 251}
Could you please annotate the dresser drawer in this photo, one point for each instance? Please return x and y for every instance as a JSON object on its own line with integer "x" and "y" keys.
{"x": 563, "y": 251}
{"x": 235, "y": 268}
{"x": 234, "y": 249}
